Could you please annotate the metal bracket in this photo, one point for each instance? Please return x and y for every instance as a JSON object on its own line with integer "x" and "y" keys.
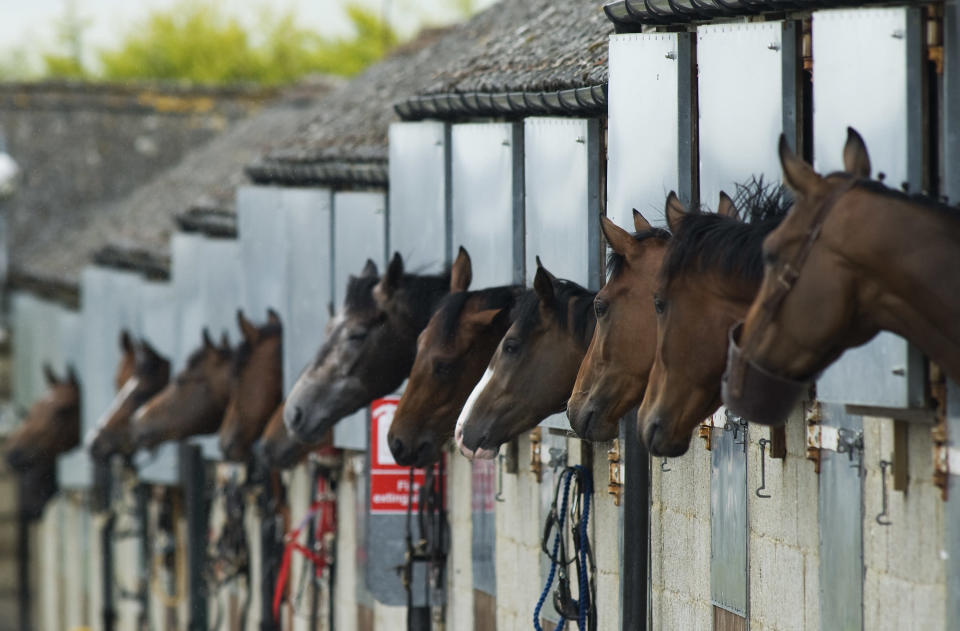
{"x": 663, "y": 466}
{"x": 536, "y": 464}
{"x": 814, "y": 417}
{"x": 558, "y": 458}
{"x": 883, "y": 517}
{"x": 837, "y": 439}
{"x": 615, "y": 484}
{"x": 736, "y": 424}
{"x": 763, "y": 442}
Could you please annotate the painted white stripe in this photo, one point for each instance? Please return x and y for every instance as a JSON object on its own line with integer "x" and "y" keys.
{"x": 467, "y": 411}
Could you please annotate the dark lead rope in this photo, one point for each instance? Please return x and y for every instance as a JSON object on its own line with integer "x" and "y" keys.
{"x": 433, "y": 543}
{"x": 582, "y": 610}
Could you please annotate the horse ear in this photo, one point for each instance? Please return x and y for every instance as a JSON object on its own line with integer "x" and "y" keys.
{"x": 640, "y": 223}
{"x": 798, "y": 175}
{"x": 49, "y": 375}
{"x": 145, "y": 347}
{"x": 207, "y": 340}
{"x": 486, "y": 317}
{"x": 461, "y": 273}
{"x": 674, "y": 211}
{"x": 856, "y": 160}
{"x": 247, "y": 328}
{"x": 391, "y": 280}
{"x": 273, "y": 317}
{"x": 726, "y": 207}
{"x": 224, "y": 341}
{"x": 618, "y": 238}
{"x": 370, "y": 269}
{"x": 72, "y": 376}
{"x": 543, "y": 284}
{"x": 126, "y": 341}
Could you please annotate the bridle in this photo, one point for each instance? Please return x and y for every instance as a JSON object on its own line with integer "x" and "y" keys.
{"x": 786, "y": 278}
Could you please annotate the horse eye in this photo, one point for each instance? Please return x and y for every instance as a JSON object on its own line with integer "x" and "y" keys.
{"x": 659, "y": 305}
{"x": 442, "y": 369}
{"x": 357, "y": 336}
{"x": 600, "y": 307}
{"x": 511, "y": 347}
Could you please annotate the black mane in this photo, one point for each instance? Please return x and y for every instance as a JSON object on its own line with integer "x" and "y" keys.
{"x": 565, "y": 292}
{"x": 196, "y": 357}
{"x": 708, "y": 242}
{"x": 616, "y": 261}
{"x": 451, "y": 307}
{"x": 920, "y": 199}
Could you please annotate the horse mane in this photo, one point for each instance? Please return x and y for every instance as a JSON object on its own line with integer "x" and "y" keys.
{"x": 708, "y": 242}
{"x": 615, "y": 262}
{"x": 565, "y": 292}
{"x": 452, "y": 305}
{"x": 924, "y": 200}
{"x": 196, "y": 357}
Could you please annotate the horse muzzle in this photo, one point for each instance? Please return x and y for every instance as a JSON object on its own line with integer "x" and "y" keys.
{"x": 754, "y": 393}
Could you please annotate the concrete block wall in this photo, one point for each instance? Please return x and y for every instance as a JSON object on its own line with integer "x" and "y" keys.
{"x": 784, "y": 537}
{"x": 48, "y": 603}
{"x": 605, "y": 535}
{"x": 460, "y": 561}
{"x": 680, "y": 542}
{"x": 904, "y": 581}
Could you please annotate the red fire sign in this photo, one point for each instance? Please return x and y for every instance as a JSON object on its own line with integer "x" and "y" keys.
{"x": 389, "y": 482}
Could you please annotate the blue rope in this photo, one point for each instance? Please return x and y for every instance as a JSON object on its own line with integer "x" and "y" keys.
{"x": 556, "y": 549}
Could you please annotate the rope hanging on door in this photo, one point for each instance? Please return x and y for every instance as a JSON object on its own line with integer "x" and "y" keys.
{"x": 584, "y": 609}
{"x": 434, "y": 542}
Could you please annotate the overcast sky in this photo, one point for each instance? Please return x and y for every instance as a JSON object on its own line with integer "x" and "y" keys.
{"x": 25, "y": 22}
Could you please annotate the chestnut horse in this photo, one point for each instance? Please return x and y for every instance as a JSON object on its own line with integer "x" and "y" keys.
{"x": 193, "y": 403}
{"x": 52, "y": 426}
{"x": 709, "y": 277}
{"x": 532, "y": 372}
{"x": 370, "y": 346}
{"x": 613, "y": 375}
{"x": 852, "y": 258}
{"x": 452, "y": 353}
{"x": 256, "y": 388}
{"x": 142, "y": 373}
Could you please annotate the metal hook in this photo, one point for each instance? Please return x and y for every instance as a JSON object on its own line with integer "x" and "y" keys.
{"x": 499, "y": 496}
{"x": 763, "y": 442}
{"x": 663, "y": 466}
{"x": 882, "y": 518}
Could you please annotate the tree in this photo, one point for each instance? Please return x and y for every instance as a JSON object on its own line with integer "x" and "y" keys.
{"x": 67, "y": 60}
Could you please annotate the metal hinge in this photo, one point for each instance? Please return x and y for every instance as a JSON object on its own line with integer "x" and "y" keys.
{"x": 837, "y": 439}
{"x": 615, "y": 484}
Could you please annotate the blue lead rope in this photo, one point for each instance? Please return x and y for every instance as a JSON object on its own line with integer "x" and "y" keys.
{"x": 566, "y": 476}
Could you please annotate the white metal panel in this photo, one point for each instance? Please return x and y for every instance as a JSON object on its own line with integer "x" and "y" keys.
{"x": 740, "y": 103}
{"x": 186, "y": 276}
{"x": 643, "y": 125}
{"x": 26, "y": 373}
{"x": 307, "y": 218}
{"x": 359, "y": 229}
{"x": 861, "y": 81}
{"x": 74, "y": 469}
{"x": 263, "y": 237}
{"x": 483, "y": 162}
{"x": 418, "y": 194}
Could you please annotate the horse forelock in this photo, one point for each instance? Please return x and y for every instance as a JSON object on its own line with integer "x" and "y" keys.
{"x": 453, "y": 305}
{"x": 616, "y": 262}
{"x": 569, "y": 299}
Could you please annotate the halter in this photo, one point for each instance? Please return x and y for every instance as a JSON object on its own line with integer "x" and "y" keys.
{"x": 787, "y": 278}
{"x": 583, "y": 610}
{"x": 434, "y": 542}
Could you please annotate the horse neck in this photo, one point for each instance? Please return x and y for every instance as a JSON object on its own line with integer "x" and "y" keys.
{"x": 916, "y": 294}
{"x": 583, "y": 304}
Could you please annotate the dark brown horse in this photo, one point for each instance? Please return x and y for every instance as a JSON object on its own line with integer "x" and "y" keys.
{"x": 256, "y": 388}
{"x": 613, "y": 375}
{"x": 709, "y": 277}
{"x": 277, "y": 449}
{"x": 193, "y": 403}
{"x": 452, "y": 353}
{"x": 52, "y": 426}
{"x": 532, "y": 372}
{"x": 371, "y": 343}
{"x": 853, "y": 258}
{"x": 142, "y": 373}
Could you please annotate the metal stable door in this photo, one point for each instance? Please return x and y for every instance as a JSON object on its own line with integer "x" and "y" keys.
{"x": 561, "y": 214}
{"x": 418, "y": 226}
{"x": 359, "y": 233}
{"x": 868, "y": 69}
{"x": 262, "y": 233}
{"x": 649, "y": 135}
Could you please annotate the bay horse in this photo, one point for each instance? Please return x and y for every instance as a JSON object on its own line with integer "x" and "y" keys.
{"x": 710, "y": 275}
{"x": 141, "y": 373}
{"x": 852, "y": 258}
{"x": 193, "y": 403}
{"x": 256, "y": 387}
{"x": 52, "y": 425}
{"x": 370, "y": 346}
{"x": 533, "y": 369}
{"x": 613, "y": 375}
{"x": 277, "y": 449}
{"x": 452, "y": 353}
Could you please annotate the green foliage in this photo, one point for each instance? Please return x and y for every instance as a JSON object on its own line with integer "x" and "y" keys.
{"x": 198, "y": 42}
{"x": 66, "y": 61}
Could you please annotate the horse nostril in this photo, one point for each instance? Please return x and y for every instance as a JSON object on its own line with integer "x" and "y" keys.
{"x": 396, "y": 446}
{"x": 297, "y": 416}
